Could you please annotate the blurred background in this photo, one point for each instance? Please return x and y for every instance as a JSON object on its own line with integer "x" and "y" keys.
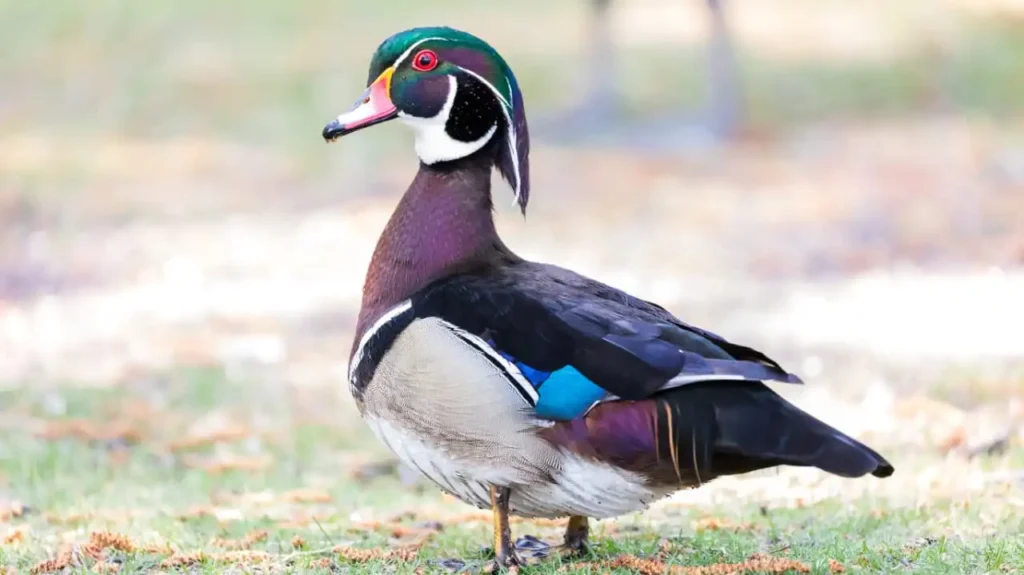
{"x": 840, "y": 184}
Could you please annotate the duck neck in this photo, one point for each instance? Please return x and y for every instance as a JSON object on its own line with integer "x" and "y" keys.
{"x": 442, "y": 225}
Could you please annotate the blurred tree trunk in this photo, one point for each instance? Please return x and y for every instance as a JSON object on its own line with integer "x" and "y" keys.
{"x": 603, "y": 98}
{"x": 724, "y": 91}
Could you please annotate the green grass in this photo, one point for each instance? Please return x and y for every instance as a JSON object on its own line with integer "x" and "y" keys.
{"x": 120, "y": 475}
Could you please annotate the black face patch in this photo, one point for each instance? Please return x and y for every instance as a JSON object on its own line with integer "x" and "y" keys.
{"x": 475, "y": 110}
{"x": 425, "y": 97}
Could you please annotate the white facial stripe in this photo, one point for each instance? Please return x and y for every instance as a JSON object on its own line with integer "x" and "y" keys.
{"x": 405, "y": 54}
{"x": 433, "y": 144}
{"x": 506, "y": 106}
{"x": 433, "y": 147}
{"x": 377, "y": 325}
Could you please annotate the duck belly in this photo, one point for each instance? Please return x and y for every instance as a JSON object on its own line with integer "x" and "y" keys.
{"x": 449, "y": 411}
{"x": 577, "y": 486}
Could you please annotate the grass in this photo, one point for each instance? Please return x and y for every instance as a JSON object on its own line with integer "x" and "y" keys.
{"x": 202, "y": 471}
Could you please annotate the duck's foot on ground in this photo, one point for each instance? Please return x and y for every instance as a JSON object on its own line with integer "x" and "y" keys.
{"x": 577, "y": 534}
{"x": 528, "y": 550}
{"x": 481, "y": 566}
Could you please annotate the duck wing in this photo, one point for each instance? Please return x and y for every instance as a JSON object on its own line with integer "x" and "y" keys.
{"x": 580, "y": 341}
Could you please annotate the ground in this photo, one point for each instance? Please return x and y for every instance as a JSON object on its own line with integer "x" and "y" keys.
{"x": 208, "y": 471}
{"x": 181, "y": 260}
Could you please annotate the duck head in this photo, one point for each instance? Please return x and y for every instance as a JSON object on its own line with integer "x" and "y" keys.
{"x": 457, "y": 94}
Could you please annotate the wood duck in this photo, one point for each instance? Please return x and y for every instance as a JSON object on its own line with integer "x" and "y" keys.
{"x": 525, "y": 387}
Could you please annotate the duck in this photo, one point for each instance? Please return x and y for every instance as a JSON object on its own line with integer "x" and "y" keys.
{"x": 522, "y": 387}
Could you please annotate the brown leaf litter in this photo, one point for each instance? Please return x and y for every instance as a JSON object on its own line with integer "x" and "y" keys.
{"x": 107, "y": 539}
{"x": 11, "y": 509}
{"x": 302, "y": 520}
{"x": 183, "y": 560}
{"x": 237, "y": 558}
{"x": 397, "y": 530}
{"x": 86, "y": 430}
{"x": 73, "y": 518}
{"x": 480, "y": 517}
{"x": 106, "y": 567}
{"x": 322, "y": 563}
{"x": 224, "y": 463}
{"x": 13, "y": 537}
{"x": 205, "y": 438}
{"x": 720, "y": 524}
{"x": 95, "y": 549}
{"x": 757, "y": 563}
{"x": 356, "y": 555}
{"x": 307, "y": 495}
{"x": 244, "y": 543}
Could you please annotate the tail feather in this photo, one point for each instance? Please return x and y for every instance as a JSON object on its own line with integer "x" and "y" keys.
{"x": 692, "y": 434}
{"x": 723, "y": 428}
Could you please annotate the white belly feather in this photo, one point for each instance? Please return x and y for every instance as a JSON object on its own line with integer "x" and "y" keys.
{"x": 466, "y": 429}
{"x": 577, "y": 487}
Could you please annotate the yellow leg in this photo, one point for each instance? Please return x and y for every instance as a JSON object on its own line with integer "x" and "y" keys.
{"x": 576, "y": 534}
{"x": 504, "y": 551}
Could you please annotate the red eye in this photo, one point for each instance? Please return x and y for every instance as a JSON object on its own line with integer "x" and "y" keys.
{"x": 424, "y": 61}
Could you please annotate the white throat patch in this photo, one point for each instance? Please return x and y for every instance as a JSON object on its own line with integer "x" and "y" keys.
{"x": 433, "y": 144}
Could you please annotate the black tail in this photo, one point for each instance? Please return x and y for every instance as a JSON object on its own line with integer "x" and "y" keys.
{"x": 725, "y": 428}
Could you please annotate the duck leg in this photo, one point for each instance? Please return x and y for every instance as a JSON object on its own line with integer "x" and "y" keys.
{"x": 576, "y": 535}
{"x": 504, "y": 551}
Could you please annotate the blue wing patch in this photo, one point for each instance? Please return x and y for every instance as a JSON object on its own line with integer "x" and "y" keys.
{"x": 561, "y": 394}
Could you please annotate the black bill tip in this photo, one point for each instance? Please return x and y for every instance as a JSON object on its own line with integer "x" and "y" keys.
{"x": 333, "y": 131}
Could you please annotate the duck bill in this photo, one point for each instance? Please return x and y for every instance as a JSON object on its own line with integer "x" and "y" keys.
{"x": 373, "y": 107}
